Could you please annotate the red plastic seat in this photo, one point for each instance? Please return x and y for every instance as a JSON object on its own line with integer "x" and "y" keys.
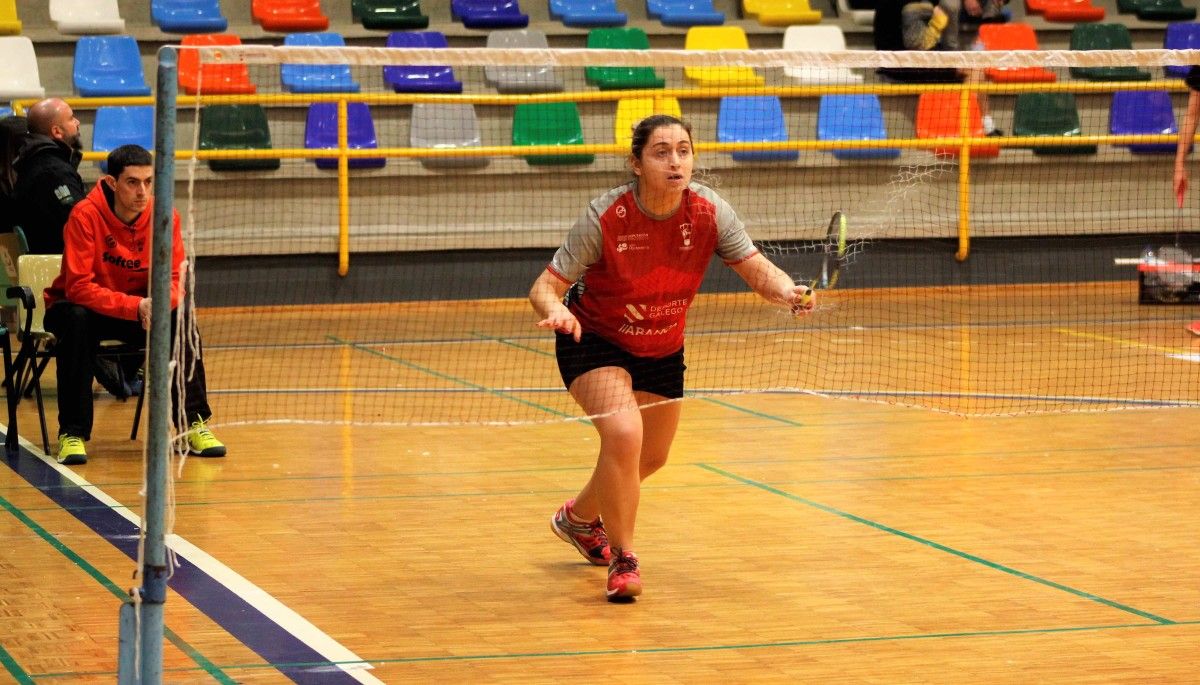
{"x": 214, "y": 79}
{"x": 937, "y": 117}
{"x": 286, "y": 16}
{"x": 1065, "y": 10}
{"x": 1013, "y": 36}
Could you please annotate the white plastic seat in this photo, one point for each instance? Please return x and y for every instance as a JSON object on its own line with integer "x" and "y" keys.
{"x": 19, "y": 78}
{"x": 821, "y": 38}
{"x": 86, "y": 16}
{"x": 862, "y": 17}
{"x": 521, "y": 78}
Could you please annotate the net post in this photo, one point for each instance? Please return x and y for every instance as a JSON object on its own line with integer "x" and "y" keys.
{"x": 343, "y": 114}
{"x": 964, "y": 175}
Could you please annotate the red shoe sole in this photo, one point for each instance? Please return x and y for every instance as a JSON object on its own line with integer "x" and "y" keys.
{"x": 1194, "y": 328}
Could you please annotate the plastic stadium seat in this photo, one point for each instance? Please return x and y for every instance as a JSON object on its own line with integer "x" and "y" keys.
{"x": 1181, "y": 36}
{"x": 861, "y": 12}
{"x": 10, "y": 24}
{"x": 285, "y": 16}
{"x": 818, "y": 39}
{"x": 782, "y": 12}
{"x": 937, "y": 117}
{"x": 317, "y": 78}
{"x": 587, "y": 13}
{"x": 86, "y": 16}
{"x": 237, "y": 127}
{"x": 117, "y": 126}
{"x": 214, "y": 79}
{"x": 5, "y": 111}
{"x": 188, "y": 16}
{"x": 20, "y": 78}
{"x": 617, "y": 78}
{"x": 684, "y": 12}
{"x": 446, "y": 127}
{"x": 109, "y": 66}
{"x": 420, "y": 79}
{"x": 1069, "y": 11}
{"x": 853, "y": 117}
{"x": 1143, "y": 112}
{"x": 489, "y": 14}
{"x": 719, "y": 38}
{"x": 630, "y": 111}
{"x": 754, "y": 119}
{"x": 549, "y": 123}
{"x": 1013, "y": 36}
{"x": 389, "y": 14}
{"x": 1104, "y": 37}
{"x": 1157, "y": 10}
{"x": 521, "y": 78}
{"x": 321, "y": 131}
{"x": 1049, "y": 114}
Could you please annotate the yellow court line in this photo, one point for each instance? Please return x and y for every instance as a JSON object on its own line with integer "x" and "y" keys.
{"x": 1123, "y": 342}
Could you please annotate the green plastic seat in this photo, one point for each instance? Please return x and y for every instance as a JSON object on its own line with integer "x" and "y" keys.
{"x": 1049, "y": 114}
{"x": 621, "y": 78}
{"x": 550, "y": 123}
{"x": 389, "y": 14}
{"x": 1104, "y": 37}
{"x": 1164, "y": 10}
{"x": 236, "y": 127}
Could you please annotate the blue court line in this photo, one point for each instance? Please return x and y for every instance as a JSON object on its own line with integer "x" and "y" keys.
{"x": 233, "y": 613}
{"x": 935, "y": 545}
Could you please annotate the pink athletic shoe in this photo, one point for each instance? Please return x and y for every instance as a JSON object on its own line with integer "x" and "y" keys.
{"x": 624, "y": 578}
{"x": 589, "y": 538}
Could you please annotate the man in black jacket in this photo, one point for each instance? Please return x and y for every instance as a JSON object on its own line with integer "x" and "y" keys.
{"x": 48, "y": 182}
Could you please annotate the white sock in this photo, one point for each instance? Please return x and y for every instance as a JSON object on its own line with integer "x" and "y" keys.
{"x": 989, "y": 124}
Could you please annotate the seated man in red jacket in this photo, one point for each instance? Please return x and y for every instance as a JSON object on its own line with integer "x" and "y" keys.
{"x": 101, "y": 293}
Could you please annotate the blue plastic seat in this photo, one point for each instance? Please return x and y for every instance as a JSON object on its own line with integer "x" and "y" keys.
{"x": 1181, "y": 36}
{"x": 5, "y": 111}
{"x": 1143, "y": 112}
{"x": 754, "y": 119}
{"x": 418, "y": 78}
{"x": 685, "y": 12}
{"x": 489, "y": 14}
{"x": 188, "y": 16}
{"x": 320, "y": 131}
{"x": 587, "y": 13}
{"x": 853, "y": 117}
{"x": 117, "y": 126}
{"x": 109, "y": 66}
{"x": 317, "y": 78}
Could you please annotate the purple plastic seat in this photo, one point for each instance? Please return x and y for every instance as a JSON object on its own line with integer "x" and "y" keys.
{"x": 489, "y": 14}
{"x": 420, "y": 79}
{"x": 1143, "y": 112}
{"x": 320, "y": 131}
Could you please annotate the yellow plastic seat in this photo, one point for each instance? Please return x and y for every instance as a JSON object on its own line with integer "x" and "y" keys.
{"x": 10, "y": 23}
{"x": 630, "y": 111}
{"x": 782, "y": 12}
{"x": 719, "y": 38}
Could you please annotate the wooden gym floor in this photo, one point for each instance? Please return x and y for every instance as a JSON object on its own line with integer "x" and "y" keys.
{"x": 792, "y": 538}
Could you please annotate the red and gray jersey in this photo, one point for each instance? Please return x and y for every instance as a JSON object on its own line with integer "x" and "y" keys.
{"x": 640, "y": 272}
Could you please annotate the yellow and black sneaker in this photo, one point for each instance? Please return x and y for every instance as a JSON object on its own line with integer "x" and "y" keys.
{"x": 71, "y": 451}
{"x": 201, "y": 441}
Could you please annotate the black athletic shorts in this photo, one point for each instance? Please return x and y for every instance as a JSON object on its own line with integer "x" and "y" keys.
{"x": 659, "y": 375}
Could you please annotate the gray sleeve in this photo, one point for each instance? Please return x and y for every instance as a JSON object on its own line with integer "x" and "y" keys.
{"x": 733, "y": 243}
{"x": 581, "y": 248}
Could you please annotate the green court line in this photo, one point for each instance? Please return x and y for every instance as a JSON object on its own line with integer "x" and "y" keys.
{"x": 205, "y": 664}
{"x": 14, "y": 669}
{"x": 935, "y": 545}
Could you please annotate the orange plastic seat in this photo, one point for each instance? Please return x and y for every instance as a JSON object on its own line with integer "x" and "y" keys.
{"x": 937, "y": 117}
{"x": 1013, "y": 36}
{"x": 286, "y": 16}
{"x": 1065, "y": 10}
{"x": 214, "y": 79}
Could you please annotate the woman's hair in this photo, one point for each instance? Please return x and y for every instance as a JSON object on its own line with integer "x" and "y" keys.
{"x": 12, "y": 134}
{"x": 646, "y": 127}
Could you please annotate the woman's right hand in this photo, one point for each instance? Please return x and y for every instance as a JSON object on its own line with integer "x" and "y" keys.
{"x": 1181, "y": 184}
{"x": 563, "y": 321}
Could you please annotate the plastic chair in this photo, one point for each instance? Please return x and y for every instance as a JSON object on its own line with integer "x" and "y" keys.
{"x": 117, "y": 126}
{"x": 446, "y": 127}
{"x": 521, "y": 79}
{"x": 1013, "y": 36}
{"x": 317, "y": 78}
{"x": 782, "y": 12}
{"x": 236, "y": 127}
{"x": 630, "y": 111}
{"x": 1157, "y": 10}
{"x": 853, "y": 117}
{"x": 1069, "y": 11}
{"x": 20, "y": 78}
{"x": 10, "y": 23}
{"x": 861, "y": 12}
{"x": 389, "y": 14}
{"x": 1181, "y": 36}
{"x": 321, "y": 131}
{"x": 489, "y": 14}
{"x": 1137, "y": 112}
{"x": 86, "y": 16}
{"x": 754, "y": 119}
{"x": 285, "y": 16}
{"x": 109, "y": 66}
{"x": 5, "y": 111}
{"x": 684, "y": 12}
{"x": 617, "y": 78}
{"x": 188, "y": 16}
{"x": 937, "y": 117}
{"x": 719, "y": 38}
{"x": 1104, "y": 37}
{"x": 818, "y": 39}
{"x": 214, "y": 79}
{"x": 1049, "y": 114}
{"x": 549, "y": 123}
{"x": 587, "y": 13}
{"x": 420, "y": 78}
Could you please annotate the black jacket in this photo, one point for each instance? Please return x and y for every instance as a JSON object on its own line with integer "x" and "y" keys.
{"x": 48, "y": 186}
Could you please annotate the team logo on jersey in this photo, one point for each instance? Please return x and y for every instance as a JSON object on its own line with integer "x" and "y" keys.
{"x": 685, "y": 230}
{"x": 620, "y": 211}
{"x": 635, "y": 312}
{"x": 621, "y": 247}
{"x": 110, "y": 242}
{"x": 63, "y": 193}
